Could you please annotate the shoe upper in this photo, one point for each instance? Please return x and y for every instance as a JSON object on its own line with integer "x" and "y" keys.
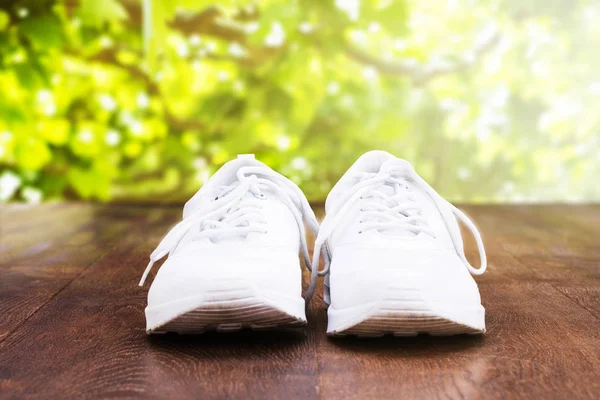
{"x": 246, "y": 222}
{"x": 386, "y": 226}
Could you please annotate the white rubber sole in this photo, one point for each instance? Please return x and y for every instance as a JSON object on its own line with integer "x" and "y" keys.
{"x": 404, "y": 313}
{"x": 227, "y": 307}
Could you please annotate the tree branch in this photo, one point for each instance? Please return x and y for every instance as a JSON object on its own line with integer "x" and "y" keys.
{"x": 209, "y": 22}
{"x": 419, "y": 73}
{"x": 109, "y": 56}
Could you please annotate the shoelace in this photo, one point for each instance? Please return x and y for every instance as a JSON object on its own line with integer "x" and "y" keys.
{"x": 233, "y": 214}
{"x": 399, "y": 215}
{"x": 395, "y": 212}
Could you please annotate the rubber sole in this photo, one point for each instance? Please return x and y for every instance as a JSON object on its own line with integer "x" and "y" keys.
{"x": 399, "y": 315}
{"x": 407, "y": 325}
{"x": 225, "y": 310}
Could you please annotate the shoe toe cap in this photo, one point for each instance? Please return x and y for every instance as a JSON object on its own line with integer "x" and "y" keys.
{"x": 360, "y": 276}
{"x": 190, "y": 272}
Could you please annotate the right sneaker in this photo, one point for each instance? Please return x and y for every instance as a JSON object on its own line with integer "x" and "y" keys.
{"x": 397, "y": 259}
{"x": 233, "y": 259}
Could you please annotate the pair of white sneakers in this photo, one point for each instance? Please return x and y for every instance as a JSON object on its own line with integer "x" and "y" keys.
{"x": 393, "y": 255}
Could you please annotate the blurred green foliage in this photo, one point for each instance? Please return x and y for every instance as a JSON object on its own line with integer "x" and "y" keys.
{"x": 143, "y": 100}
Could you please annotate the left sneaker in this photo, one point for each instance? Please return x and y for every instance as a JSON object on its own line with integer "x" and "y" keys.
{"x": 233, "y": 259}
{"x": 397, "y": 260}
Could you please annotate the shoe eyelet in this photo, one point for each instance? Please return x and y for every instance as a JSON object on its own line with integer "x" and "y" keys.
{"x": 260, "y": 196}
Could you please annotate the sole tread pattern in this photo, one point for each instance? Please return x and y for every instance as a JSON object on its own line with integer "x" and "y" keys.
{"x": 401, "y": 315}
{"x": 407, "y": 325}
{"x": 230, "y": 316}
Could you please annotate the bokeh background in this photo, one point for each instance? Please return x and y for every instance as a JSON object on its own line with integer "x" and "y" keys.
{"x": 141, "y": 100}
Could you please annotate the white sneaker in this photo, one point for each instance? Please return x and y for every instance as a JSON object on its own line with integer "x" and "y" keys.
{"x": 397, "y": 259}
{"x": 233, "y": 260}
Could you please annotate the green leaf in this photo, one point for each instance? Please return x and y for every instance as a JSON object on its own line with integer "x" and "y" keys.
{"x": 27, "y": 75}
{"x": 4, "y": 20}
{"x": 93, "y": 182}
{"x": 44, "y": 31}
{"x": 96, "y": 13}
{"x": 32, "y": 154}
{"x": 391, "y": 15}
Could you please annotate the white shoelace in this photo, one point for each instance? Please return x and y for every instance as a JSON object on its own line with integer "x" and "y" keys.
{"x": 233, "y": 214}
{"x": 385, "y": 212}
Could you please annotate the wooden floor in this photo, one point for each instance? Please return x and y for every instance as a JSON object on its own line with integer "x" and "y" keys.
{"x": 72, "y": 324}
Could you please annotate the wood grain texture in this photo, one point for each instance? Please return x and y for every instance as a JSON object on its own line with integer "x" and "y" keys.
{"x": 42, "y": 249}
{"x": 72, "y": 323}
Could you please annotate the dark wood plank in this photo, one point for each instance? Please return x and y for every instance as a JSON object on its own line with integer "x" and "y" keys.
{"x": 552, "y": 230}
{"x": 587, "y": 296}
{"x": 87, "y": 339}
{"x": 538, "y": 343}
{"x": 542, "y": 242}
{"x": 42, "y": 249}
{"x": 90, "y": 341}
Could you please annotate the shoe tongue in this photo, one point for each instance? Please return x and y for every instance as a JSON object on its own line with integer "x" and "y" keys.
{"x": 370, "y": 162}
{"x": 396, "y": 164}
{"x": 225, "y": 176}
{"x": 388, "y": 166}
